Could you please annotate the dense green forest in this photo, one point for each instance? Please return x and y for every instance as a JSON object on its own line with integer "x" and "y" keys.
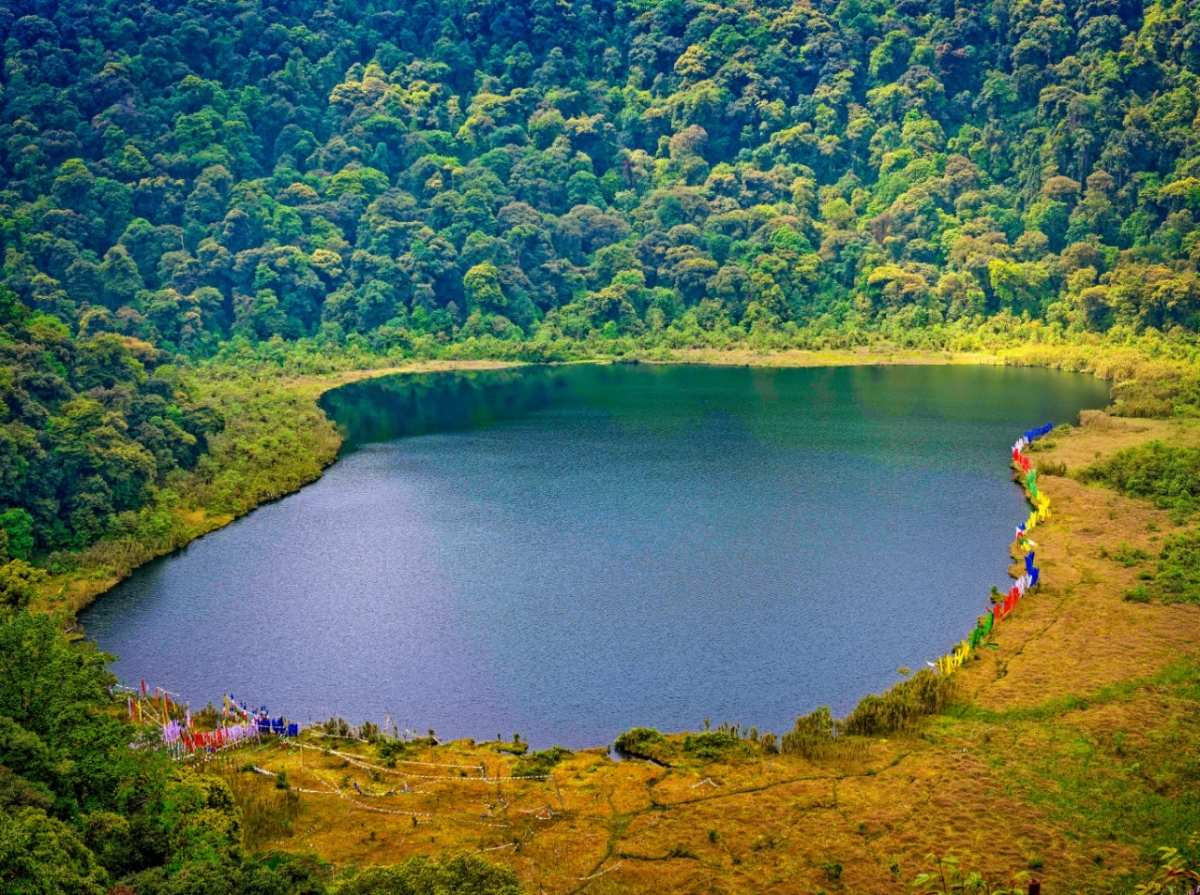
{"x": 183, "y": 180}
{"x": 184, "y": 172}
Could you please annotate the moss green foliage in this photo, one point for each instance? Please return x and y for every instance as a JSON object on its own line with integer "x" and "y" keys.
{"x": 274, "y": 442}
{"x": 1126, "y": 555}
{"x": 710, "y": 745}
{"x": 1176, "y": 578}
{"x": 946, "y": 876}
{"x": 1178, "y": 870}
{"x": 812, "y": 736}
{"x": 91, "y": 426}
{"x": 1167, "y": 474}
{"x": 643, "y": 742}
{"x": 80, "y": 809}
{"x": 540, "y": 763}
{"x": 464, "y": 875}
{"x": 901, "y": 707}
{"x": 408, "y": 175}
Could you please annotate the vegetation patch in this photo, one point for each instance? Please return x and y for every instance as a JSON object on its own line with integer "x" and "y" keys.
{"x": 540, "y": 763}
{"x": 644, "y": 742}
{"x": 903, "y": 706}
{"x": 1176, "y": 579}
{"x": 1166, "y": 474}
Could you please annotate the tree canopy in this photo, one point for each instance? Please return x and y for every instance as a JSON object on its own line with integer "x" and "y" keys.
{"x": 183, "y": 173}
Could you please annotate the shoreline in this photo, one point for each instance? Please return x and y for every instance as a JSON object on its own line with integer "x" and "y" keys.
{"x": 312, "y": 387}
{"x": 1073, "y": 729}
{"x": 1075, "y": 664}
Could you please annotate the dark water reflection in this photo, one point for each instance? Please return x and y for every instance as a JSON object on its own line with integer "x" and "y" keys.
{"x": 570, "y": 552}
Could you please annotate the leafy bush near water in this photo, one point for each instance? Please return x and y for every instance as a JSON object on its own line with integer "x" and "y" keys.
{"x": 812, "y": 736}
{"x": 643, "y": 742}
{"x": 901, "y": 707}
{"x": 540, "y": 763}
{"x": 710, "y": 745}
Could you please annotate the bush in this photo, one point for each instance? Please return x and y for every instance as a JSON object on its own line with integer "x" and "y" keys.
{"x": 812, "y": 736}
{"x": 642, "y": 742}
{"x": 1167, "y": 475}
{"x": 711, "y": 744}
{"x": 1139, "y": 594}
{"x": 465, "y": 875}
{"x": 540, "y": 764}
{"x": 1129, "y": 556}
{"x": 1177, "y": 579}
{"x": 925, "y": 693}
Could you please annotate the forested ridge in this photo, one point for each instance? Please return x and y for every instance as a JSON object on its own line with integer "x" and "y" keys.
{"x": 183, "y": 172}
{"x": 399, "y": 177}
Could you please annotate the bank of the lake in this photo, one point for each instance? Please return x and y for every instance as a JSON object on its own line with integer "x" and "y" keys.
{"x": 571, "y": 551}
{"x": 1069, "y": 754}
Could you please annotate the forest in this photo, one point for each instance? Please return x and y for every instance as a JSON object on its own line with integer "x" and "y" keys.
{"x": 183, "y": 181}
{"x": 182, "y": 178}
{"x": 194, "y": 191}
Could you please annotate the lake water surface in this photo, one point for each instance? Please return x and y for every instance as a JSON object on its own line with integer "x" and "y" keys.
{"x": 570, "y": 552}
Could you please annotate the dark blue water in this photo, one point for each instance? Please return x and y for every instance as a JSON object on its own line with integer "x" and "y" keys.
{"x": 570, "y": 552}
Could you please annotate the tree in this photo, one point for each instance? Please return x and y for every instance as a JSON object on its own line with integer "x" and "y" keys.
{"x": 481, "y": 285}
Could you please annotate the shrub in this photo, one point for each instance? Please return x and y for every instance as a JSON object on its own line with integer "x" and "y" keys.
{"x": 1129, "y": 556}
{"x": 642, "y": 742}
{"x": 1165, "y": 474}
{"x": 946, "y": 877}
{"x": 925, "y": 693}
{"x": 465, "y": 875}
{"x": 812, "y": 736}
{"x": 711, "y": 744}
{"x": 1139, "y": 594}
{"x": 540, "y": 764}
{"x": 1178, "y": 576}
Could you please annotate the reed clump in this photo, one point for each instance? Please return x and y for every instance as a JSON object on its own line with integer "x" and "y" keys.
{"x": 812, "y": 737}
{"x": 900, "y": 708}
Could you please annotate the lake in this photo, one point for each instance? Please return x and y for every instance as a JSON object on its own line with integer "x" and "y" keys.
{"x": 570, "y": 552}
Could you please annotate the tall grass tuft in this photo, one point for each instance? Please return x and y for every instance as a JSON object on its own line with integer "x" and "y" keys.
{"x": 901, "y": 707}
{"x": 267, "y": 814}
{"x": 812, "y": 737}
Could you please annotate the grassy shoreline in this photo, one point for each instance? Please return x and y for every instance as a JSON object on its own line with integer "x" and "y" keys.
{"x": 276, "y": 433}
{"x": 1068, "y": 753}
